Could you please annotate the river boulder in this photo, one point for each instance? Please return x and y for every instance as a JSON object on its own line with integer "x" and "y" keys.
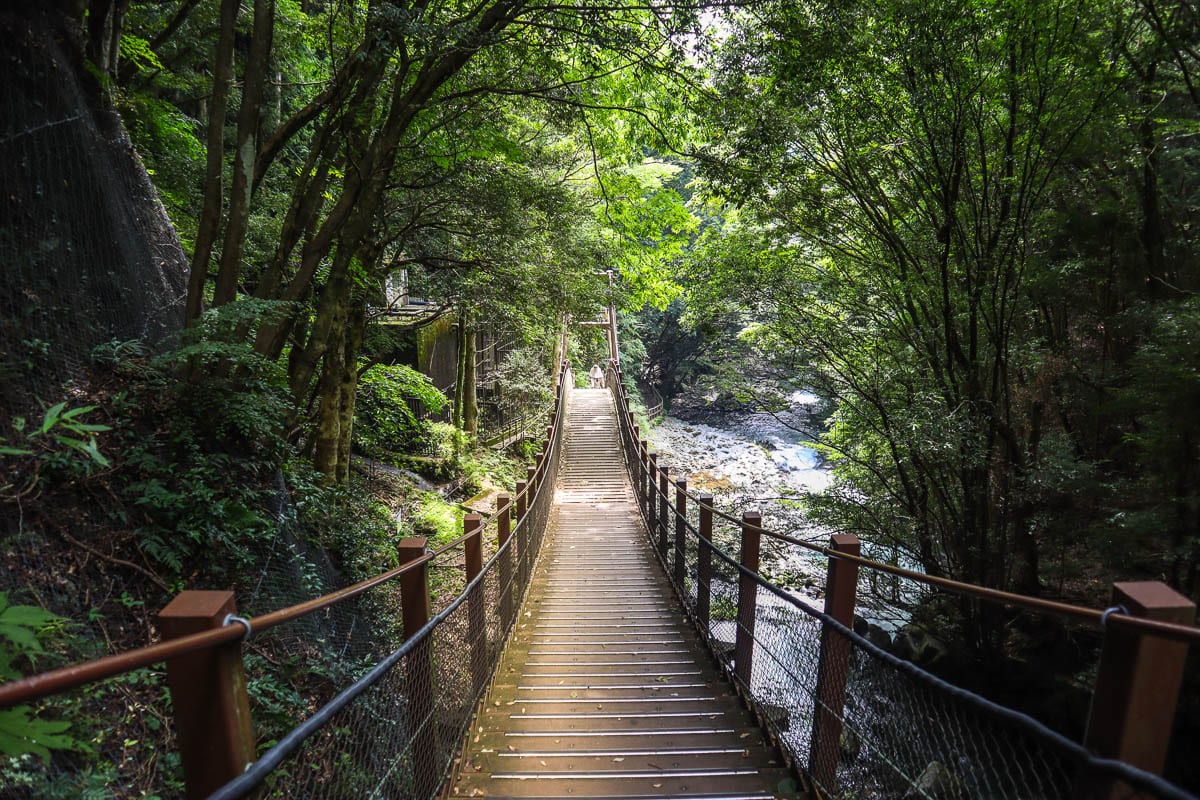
{"x": 936, "y": 782}
{"x": 917, "y": 645}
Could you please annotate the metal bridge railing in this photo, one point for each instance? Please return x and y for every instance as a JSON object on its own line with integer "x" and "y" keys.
{"x": 515, "y": 429}
{"x": 398, "y": 715}
{"x": 858, "y": 722}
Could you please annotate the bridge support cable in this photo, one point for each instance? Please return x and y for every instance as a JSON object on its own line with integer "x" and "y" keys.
{"x": 860, "y": 722}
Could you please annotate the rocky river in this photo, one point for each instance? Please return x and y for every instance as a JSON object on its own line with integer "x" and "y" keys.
{"x": 764, "y": 461}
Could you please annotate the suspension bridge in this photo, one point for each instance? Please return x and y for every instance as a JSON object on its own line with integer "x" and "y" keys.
{"x": 606, "y": 641}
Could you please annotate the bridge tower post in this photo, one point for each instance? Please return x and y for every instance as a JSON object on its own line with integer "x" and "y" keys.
{"x": 743, "y": 652}
{"x": 681, "y": 533}
{"x": 833, "y": 667}
{"x": 1137, "y": 687}
{"x": 704, "y": 566}
{"x": 208, "y": 694}
{"x": 414, "y": 608}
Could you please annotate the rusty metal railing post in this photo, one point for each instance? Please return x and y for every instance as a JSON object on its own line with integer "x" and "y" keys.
{"x": 681, "y": 534}
{"x": 503, "y": 532}
{"x": 704, "y": 565}
{"x": 414, "y": 606}
{"x": 743, "y": 653}
{"x": 651, "y": 490}
{"x": 841, "y": 586}
{"x": 1137, "y": 688}
{"x": 208, "y": 694}
{"x": 664, "y": 488}
{"x": 476, "y": 626}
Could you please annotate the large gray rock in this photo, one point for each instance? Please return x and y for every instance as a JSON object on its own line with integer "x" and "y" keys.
{"x": 919, "y": 646}
{"x": 936, "y": 782}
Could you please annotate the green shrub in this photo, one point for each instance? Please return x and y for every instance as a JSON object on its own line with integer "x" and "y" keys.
{"x": 384, "y": 423}
{"x": 201, "y": 439}
{"x": 447, "y": 442}
{"x": 524, "y": 381}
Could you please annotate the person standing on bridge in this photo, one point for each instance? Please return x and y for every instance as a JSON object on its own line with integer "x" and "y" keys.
{"x": 596, "y": 377}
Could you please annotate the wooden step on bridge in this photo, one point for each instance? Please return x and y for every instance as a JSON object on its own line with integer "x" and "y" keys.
{"x": 604, "y": 690}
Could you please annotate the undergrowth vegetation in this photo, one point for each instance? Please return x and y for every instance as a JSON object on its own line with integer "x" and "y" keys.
{"x": 181, "y": 470}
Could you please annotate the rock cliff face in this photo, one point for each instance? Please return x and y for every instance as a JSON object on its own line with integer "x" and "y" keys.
{"x": 87, "y": 253}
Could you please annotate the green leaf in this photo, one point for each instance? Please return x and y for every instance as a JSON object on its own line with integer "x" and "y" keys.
{"x": 29, "y": 616}
{"x": 91, "y": 450}
{"x": 75, "y": 412}
{"x": 21, "y": 733}
{"x": 52, "y": 415}
{"x": 24, "y": 638}
{"x": 87, "y": 427}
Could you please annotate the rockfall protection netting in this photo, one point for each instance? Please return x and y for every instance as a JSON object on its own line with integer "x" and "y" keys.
{"x": 87, "y": 254}
{"x": 902, "y": 733}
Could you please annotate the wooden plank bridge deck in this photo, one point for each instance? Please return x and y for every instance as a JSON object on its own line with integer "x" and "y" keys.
{"x": 604, "y": 690}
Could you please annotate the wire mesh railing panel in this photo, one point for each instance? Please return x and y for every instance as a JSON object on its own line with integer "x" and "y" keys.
{"x": 946, "y": 745}
{"x": 723, "y": 608}
{"x": 783, "y": 677}
{"x": 395, "y": 730}
{"x": 368, "y": 749}
{"x": 856, "y": 720}
{"x": 459, "y": 649}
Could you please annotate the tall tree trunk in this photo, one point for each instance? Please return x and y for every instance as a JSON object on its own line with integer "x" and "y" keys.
{"x": 329, "y": 419}
{"x": 460, "y": 373}
{"x": 328, "y": 435}
{"x": 356, "y": 327}
{"x": 470, "y": 402}
{"x": 1150, "y": 233}
{"x": 249, "y": 123}
{"x": 105, "y": 21}
{"x": 210, "y": 214}
{"x": 330, "y": 316}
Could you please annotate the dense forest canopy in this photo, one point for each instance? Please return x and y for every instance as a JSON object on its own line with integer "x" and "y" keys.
{"x": 970, "y": 226}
